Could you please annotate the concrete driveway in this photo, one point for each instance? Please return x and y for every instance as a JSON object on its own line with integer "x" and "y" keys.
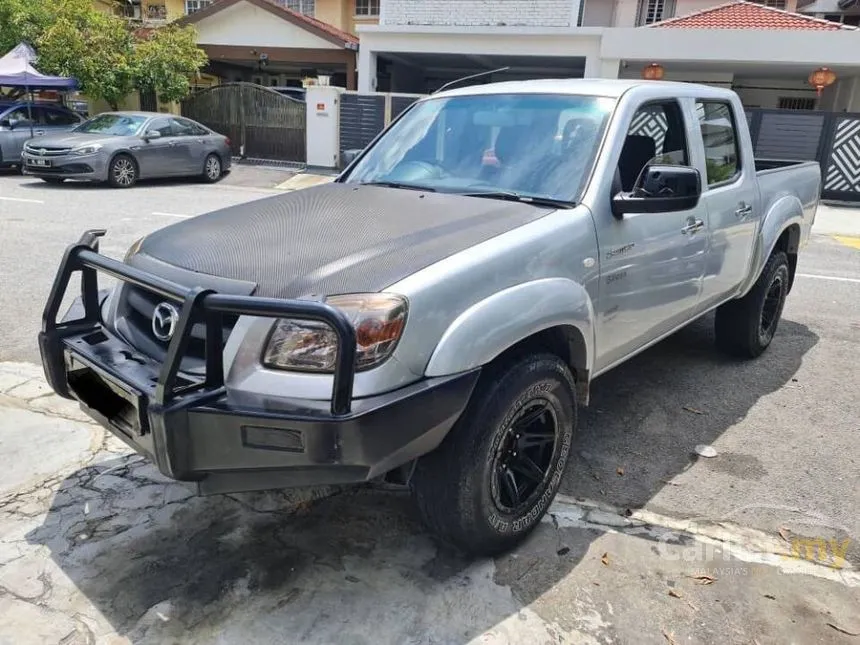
{"x": 647, "y": 544}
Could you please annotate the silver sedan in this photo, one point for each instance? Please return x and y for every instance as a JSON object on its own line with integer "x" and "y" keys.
{"x": 122, "y": 147}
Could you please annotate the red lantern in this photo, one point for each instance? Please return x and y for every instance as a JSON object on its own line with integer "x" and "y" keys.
{"x": 821, "y": 78}
{"x": 653, "y": 72}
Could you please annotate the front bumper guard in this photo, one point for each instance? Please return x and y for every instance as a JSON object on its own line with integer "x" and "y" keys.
{"x": 187, "y": 425}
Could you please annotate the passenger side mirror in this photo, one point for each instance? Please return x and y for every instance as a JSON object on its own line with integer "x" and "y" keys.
{"x": 149, "y": 135}
{"x": 660, "y": 189}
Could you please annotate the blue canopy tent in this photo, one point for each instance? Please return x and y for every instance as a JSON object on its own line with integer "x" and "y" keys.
{"x": 16, "y": 70}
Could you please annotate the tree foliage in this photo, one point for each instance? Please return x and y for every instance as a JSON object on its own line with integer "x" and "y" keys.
{"x": 73, "y": 38}
{"x": 166, "y": 60}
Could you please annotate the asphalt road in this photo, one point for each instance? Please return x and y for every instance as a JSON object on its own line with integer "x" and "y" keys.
{"x": 785, "y": 428}
{"x": 38, "y": 221}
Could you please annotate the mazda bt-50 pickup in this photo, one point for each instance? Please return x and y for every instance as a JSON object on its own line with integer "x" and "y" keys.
{"x": 435, "y": 315}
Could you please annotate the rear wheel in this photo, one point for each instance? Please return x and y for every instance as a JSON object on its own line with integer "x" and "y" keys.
{"x": 745, "y": 327}
{"x": 212, "y": 169}
{"x": 122, "y": 172}
{"x": 494, "y": 476}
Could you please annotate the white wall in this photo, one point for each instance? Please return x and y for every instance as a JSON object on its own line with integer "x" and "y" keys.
{"x": 490, "y": 13}
{"x": 247, "y": 24}
{"x": 807, "y": 49}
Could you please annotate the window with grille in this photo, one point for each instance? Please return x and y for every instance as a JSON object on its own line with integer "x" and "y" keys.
{"x": 366, "y": 7}
{"x": 774, "y": 4}
{"x": 795, "y": 103}
{"x": 651, "y": 11}
{"x": 301, "y": 6}
{"x": 196, "y": 5}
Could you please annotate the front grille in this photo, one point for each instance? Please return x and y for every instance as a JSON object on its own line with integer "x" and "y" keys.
{"x": 139, "y": 308}
{"x": 50, "y": 151}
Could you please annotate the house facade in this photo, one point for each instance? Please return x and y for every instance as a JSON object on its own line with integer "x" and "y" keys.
{"x": 344, "y": 15}
{"x": 765, "y": 51}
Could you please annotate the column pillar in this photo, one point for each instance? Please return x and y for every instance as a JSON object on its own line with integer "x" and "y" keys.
{"x": 601, "y": 67}
{"x": 366, "y": 70}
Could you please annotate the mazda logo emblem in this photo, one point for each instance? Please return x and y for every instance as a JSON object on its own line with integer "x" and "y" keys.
{"x": 164, "y": 321}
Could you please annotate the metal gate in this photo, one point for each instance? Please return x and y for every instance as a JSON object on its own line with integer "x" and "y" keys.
{"x": 830, "y": 138}
{"x": 841, "y": 165}
{"x": 261, "y": 123}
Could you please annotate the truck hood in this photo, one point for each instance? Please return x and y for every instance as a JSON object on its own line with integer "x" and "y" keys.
{"x": 330, "y": 239}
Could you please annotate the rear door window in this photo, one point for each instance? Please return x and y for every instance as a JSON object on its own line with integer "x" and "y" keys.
{"x": 719, "y": 135}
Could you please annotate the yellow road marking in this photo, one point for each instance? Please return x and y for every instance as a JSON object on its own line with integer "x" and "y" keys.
{"x": 853, "y": 242}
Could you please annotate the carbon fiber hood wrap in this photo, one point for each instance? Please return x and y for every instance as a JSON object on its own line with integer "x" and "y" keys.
{"x": 335, "y": 238}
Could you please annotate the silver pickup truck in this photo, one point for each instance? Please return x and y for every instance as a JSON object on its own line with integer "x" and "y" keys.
{"x": 434, "y": 317}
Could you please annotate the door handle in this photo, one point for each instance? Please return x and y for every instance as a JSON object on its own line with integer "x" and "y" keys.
{"x": 743, "y": 210}
{"x": 693, "y": 226}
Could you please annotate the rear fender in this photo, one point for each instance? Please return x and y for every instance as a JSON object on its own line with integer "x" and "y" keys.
{"x": 782, "y": 214}
{"x": 489, "y": 327}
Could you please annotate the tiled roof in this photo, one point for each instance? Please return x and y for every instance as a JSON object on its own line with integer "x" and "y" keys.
{"x": 318, "y": 27}
{"x": 749, "y": 15}
{"x": 319, "y": 24}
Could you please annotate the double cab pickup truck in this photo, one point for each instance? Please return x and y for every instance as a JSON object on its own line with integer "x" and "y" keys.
{"x": 434, "y": 316}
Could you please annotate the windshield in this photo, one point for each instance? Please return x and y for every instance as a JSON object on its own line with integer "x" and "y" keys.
{"x": 539, "y": 145}
{"x": 120, "y": 125}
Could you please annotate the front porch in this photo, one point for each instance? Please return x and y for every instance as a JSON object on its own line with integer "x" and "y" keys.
{"x": 267, "y": 44}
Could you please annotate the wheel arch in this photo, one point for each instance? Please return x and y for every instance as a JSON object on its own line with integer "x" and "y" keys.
{"x": 780, "y": 231}
{"x": 553, "y": 314}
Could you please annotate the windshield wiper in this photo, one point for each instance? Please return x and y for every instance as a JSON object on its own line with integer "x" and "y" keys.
{"x": 514, "y": 196}
{"x": 397, "y": 184}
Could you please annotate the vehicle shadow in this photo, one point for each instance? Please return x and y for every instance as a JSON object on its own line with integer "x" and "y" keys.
{"x": 162, "y": 565}
{"x": 30, "y": 182}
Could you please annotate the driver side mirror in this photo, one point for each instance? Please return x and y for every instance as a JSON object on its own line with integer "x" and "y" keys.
{"x": 348, "y": 156}
{"x": 149, "y": 135}
{"x": 19, "y": 123}
{"x": 5, "y": 123}
{"x": 660, "y": 189}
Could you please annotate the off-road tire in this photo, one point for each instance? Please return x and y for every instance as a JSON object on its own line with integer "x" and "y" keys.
{"x": 209, "y": 175}
{"x": 457, "y": 487}
{"x": 745, "y": 327}
{"x": 125, "y": 179}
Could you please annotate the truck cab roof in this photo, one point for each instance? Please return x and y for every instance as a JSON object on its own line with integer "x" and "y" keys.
{"x": 610, "y": 88}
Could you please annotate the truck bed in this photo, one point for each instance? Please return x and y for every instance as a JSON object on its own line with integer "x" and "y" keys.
{"x": 781, "y": 178}
{"x": 762, "y": 165}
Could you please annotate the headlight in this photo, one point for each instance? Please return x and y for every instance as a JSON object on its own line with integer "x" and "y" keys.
{"x": 87, "y": 150}
{"x": 378, "y": 319}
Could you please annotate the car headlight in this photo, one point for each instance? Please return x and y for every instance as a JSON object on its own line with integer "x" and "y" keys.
{"x": 307, "y": 346}
{"x": 87, "y": 150}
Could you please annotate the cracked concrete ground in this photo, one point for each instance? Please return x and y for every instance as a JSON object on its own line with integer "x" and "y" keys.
{"x": 96, "y": 547}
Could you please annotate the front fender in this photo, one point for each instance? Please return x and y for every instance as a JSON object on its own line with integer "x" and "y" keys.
{"x": 489, "y": 327}
{"x": 783, "y": 213}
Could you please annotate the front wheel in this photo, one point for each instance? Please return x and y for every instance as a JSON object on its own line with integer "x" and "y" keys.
{"x": 494, "y": 476}
{"x": 745, "y": 327}
{"x": 122, "y": 172}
